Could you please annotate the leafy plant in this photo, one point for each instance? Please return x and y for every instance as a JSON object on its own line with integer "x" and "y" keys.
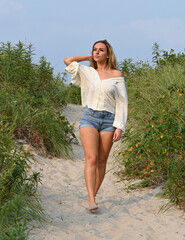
{"x": 18, "y": 185}
{"x": 32, "y": 98}
{"x": 154, "y": 144}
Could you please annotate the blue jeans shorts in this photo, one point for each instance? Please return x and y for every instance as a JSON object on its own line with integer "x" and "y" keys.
{"x": 101, "y": 120}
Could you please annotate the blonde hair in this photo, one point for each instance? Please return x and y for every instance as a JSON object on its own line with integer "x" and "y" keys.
{"x": 111, "y": 60}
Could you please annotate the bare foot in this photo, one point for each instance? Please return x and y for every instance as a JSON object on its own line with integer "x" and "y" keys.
{"x": 92, "y": 206}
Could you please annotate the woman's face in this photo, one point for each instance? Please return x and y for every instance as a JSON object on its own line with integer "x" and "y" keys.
{"x": 100, "y": 52}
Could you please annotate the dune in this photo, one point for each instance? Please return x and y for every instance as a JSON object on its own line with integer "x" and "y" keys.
{"x": 122, "y": 215}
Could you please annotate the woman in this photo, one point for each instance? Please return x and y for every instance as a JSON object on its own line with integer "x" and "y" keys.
{"x": 104, "y": 98}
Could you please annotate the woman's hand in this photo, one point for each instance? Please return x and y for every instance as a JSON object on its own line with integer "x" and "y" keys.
{"x": 89, "y": 58}
{"x": 117, "y": 135}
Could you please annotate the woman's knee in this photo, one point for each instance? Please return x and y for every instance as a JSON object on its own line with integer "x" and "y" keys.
{"x": 102, "y": 163}
{"x": 91, "y": 160}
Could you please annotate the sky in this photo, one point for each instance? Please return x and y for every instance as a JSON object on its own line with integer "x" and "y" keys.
{"x": 59, "y": 29}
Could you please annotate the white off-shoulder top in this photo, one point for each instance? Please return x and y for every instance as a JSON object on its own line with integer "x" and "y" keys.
{"x": 105, "y": 95}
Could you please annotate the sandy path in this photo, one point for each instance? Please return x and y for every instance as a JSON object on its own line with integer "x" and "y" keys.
{"x": 121, "y": 216}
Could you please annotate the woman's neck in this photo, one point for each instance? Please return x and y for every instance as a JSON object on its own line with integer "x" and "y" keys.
{"x": 101, "y": 67}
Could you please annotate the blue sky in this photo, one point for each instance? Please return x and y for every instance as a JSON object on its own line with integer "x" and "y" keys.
{"x": 58, "y": 28}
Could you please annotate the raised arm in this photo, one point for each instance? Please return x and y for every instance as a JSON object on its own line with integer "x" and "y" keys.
{"x": 69, "y": 60}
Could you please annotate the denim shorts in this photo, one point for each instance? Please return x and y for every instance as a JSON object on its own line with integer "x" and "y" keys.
{"x": 101, "y": 120}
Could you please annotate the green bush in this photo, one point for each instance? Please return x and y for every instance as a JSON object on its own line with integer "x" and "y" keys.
{"x": 154, "y": 143}
{"x": 73, "y": 94}
{"x": 32, "y": 98}
{"x": 31, "y": 101}
{"x": 18, "y": 185}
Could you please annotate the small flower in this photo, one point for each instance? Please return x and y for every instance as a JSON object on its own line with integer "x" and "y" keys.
{"x": 180, "y": 94}
{"x": 164, "y": 96}
{"x": 121, "y": 153}
{"x": 178, "y": 90}
{"x": 152, "y": 163}
{"x": 130, "y": 149}
{"x": 162, "y": 136}
{"x": 152, "y": 170}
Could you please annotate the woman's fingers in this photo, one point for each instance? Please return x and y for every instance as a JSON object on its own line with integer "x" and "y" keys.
{"x": 117, "y": 135}
{"x": 116, "y": 138}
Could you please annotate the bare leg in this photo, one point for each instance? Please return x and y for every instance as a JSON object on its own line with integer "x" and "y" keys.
{"x": 90, "y": 142}
{"x": 104, "y": 149}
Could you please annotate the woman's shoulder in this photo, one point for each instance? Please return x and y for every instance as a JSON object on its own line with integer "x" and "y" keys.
{"x": 116, "y": 73}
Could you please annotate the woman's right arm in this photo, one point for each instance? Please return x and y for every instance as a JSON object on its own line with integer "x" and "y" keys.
{"x": 69, "y": 60}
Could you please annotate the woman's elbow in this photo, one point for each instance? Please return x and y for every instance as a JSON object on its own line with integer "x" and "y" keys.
{"x": 67, "y": 61}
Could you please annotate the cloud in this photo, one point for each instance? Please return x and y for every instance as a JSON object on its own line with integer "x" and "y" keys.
{"x": 9, "y": 8}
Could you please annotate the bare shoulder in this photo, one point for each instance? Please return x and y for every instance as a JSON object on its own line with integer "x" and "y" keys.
{"x": 117, "y": 73}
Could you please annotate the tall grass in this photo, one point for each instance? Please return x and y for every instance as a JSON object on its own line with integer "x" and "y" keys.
{"x": 31, "y": 101}
{"x": 154, "y": 144}
{"x": 18, "y": 185}
{"x": 32, "y": 97}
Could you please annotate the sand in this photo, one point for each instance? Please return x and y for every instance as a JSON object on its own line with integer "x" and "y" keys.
{"x": 121, "y": 215}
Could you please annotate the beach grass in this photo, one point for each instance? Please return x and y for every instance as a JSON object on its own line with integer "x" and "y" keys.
{"x": 153, "y": 147}
{"x": 31, "y": 102}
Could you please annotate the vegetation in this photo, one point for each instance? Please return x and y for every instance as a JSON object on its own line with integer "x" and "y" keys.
{"x": 31, "y": 100}
{"x": 153, "y": 146}
{"x": 73, "y": 94}
{"x": 18, "y": 185}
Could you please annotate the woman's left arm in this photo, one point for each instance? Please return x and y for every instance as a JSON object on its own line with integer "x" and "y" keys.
{"x": 121, "y": 110}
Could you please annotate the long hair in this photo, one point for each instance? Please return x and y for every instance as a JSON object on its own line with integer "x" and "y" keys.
{"x": 111, "y": 61}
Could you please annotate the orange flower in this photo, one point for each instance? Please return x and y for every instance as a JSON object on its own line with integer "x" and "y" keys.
{"x": 180, "y": 94}
{"x": 137, "y": 145}
{"x": 130, "y": 149}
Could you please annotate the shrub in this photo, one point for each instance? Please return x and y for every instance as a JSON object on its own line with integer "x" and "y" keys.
{"x": 154, "y": 144}
{"x": 73, "y": 94}
{"x": 18, "y": 185}
{"x": 32, "y": 99}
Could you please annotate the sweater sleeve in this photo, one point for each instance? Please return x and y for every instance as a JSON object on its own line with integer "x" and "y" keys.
{"x": 121, "y": 110}
{"x": 73, "y": 69}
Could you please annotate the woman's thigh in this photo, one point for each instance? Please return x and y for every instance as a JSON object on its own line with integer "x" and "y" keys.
{"x": 105, "y": 144}
{"x": 90, "y": 141}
